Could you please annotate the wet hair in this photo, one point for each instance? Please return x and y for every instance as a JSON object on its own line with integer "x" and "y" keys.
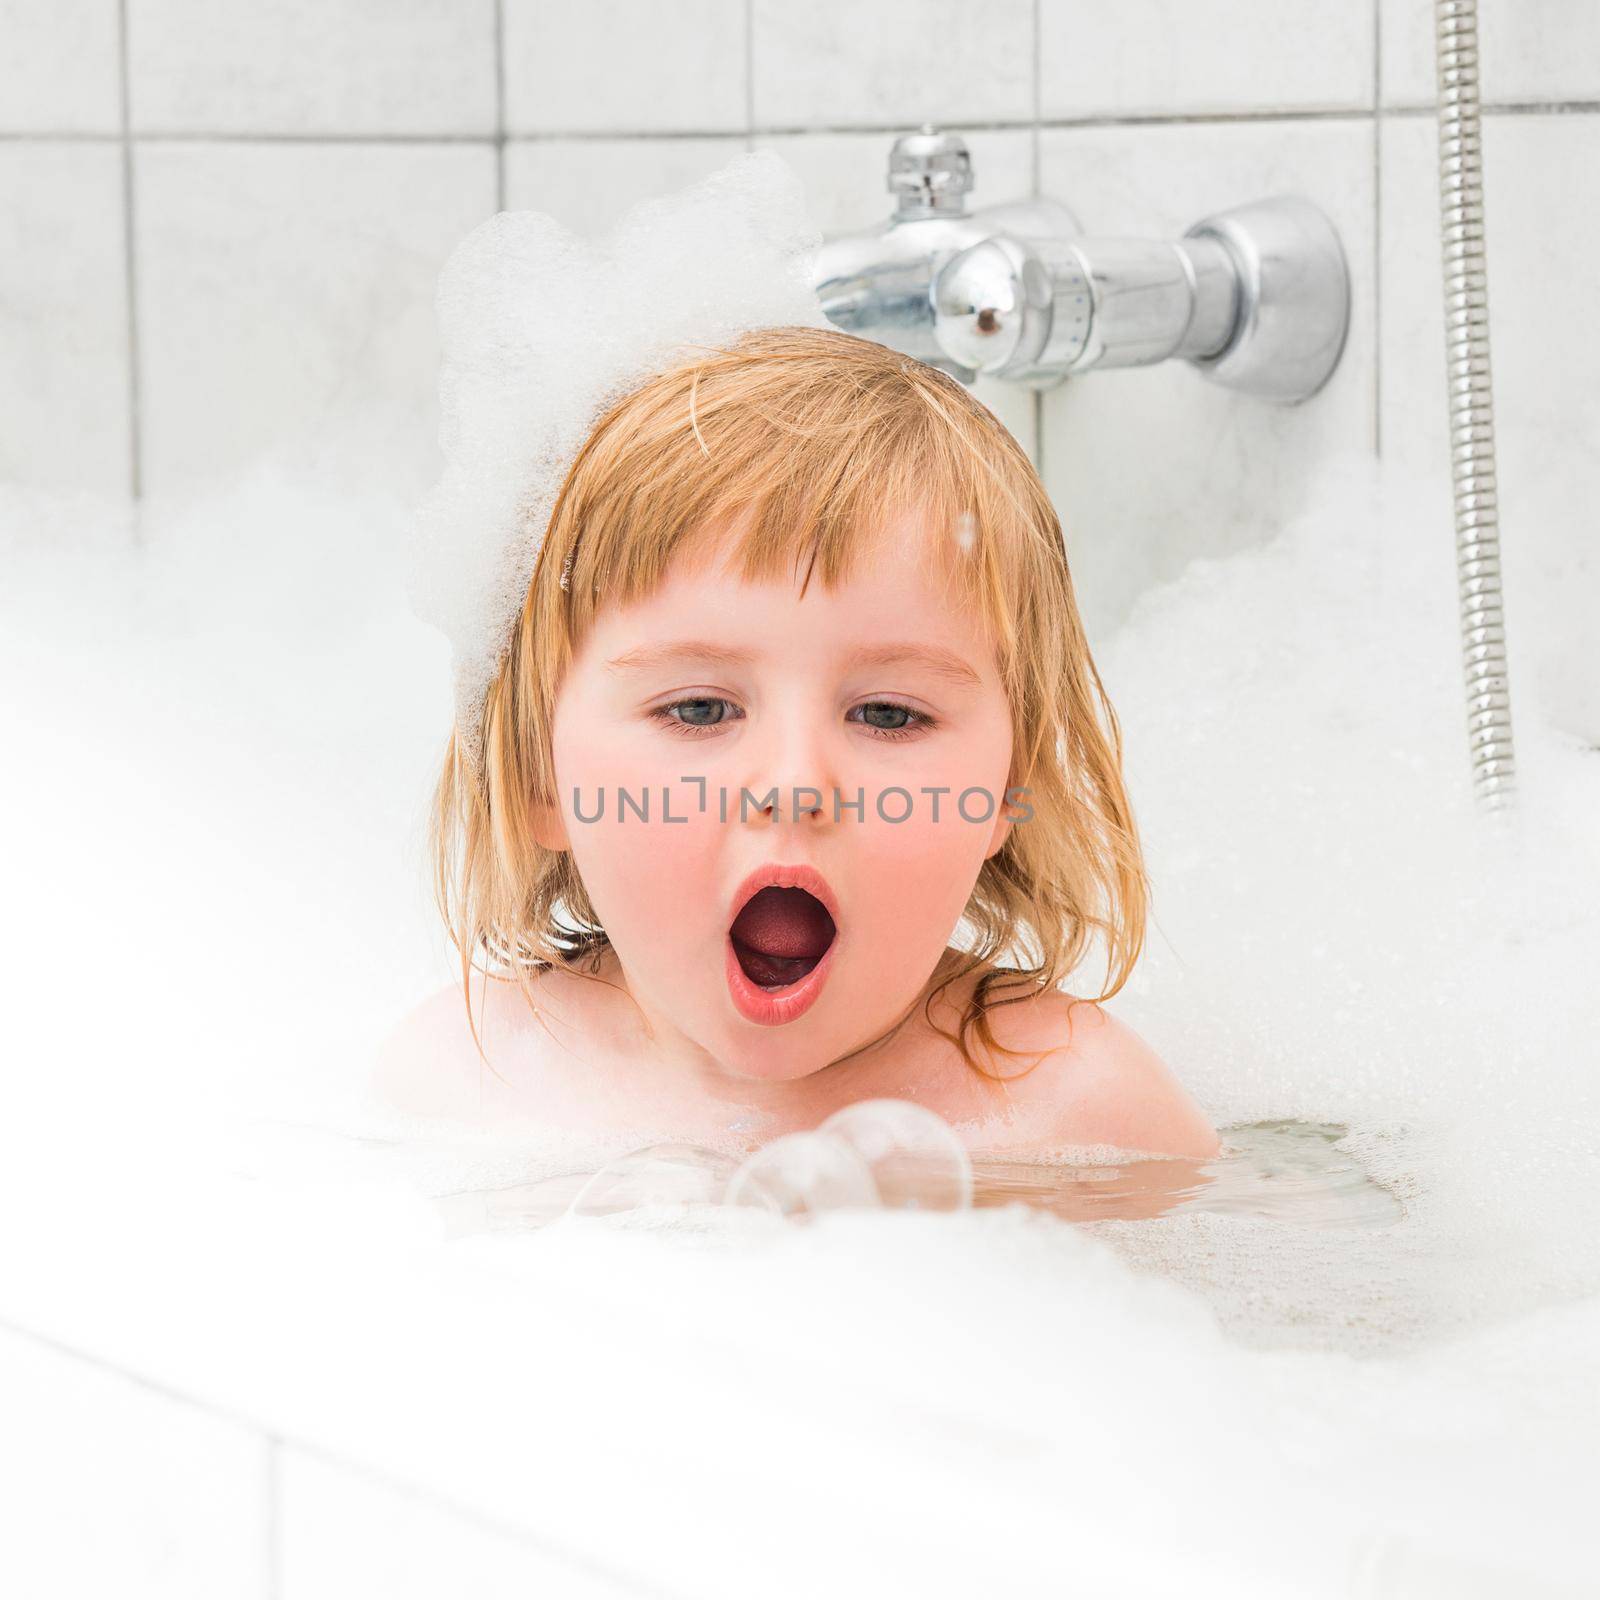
{"x": 806, "y": 440}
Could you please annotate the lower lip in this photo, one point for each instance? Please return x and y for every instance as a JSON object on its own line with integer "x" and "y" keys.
{"x": 773, "y": 1007}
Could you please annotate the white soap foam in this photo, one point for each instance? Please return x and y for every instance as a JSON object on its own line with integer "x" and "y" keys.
{"x": 1339, "y": 934}
{"x": 542, "y": 329}
{"x": 224, "y": 744}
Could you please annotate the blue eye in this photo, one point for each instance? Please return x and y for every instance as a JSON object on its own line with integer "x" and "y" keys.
{"x": 915, "y": 721}
{"x": 697, "y": 707}
{"x": 704, "y": 713}
{"x": 698, "y": 720}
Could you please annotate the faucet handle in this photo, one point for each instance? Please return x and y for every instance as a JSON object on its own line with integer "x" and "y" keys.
{"x": 930, "y": 174}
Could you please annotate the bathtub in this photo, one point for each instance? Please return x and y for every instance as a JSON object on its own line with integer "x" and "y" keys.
{"x": 240, "y": 1352}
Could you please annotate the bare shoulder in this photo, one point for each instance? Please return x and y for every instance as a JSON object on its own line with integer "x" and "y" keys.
{"x": 430, "y": 1064}
{"x": 1097, "y": 1081}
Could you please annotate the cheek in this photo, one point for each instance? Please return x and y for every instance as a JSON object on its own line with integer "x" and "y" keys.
{"x": 923, "y": 868}
{"x": 929, "y": 859}
{"x": 637, "y": 867}
{"x": 643, "y": 875}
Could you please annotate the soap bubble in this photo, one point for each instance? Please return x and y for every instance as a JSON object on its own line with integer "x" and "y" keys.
{"x": 804, "y": 1173}
{"x": 658, "y": 1175}
{"x": 914, "y": 1155}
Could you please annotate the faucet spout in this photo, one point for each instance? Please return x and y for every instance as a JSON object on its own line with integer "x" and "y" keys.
{"x": 1257, "y": 297}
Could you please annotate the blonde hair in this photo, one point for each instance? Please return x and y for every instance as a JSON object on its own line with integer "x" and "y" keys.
{"x": 810, "y": 436}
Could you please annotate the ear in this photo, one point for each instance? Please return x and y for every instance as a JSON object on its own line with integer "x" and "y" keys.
{"x": 1013, "y": 808}
{"x": 1002, "y": 829}
{"x": 547, "y": 825}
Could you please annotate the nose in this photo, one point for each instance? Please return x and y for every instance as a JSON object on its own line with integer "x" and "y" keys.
{"x": 793, "y": 774}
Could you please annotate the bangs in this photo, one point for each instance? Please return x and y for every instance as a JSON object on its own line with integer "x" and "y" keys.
{"x": 802, "y": 461}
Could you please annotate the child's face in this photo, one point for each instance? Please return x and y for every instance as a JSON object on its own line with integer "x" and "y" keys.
{"x": 788, "y": 706}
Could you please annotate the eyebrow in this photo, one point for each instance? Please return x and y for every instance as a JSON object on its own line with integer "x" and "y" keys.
{"x": 941, "y": 663}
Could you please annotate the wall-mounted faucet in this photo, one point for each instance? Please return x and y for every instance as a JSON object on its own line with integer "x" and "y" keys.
{"x": 1257, "y": 298}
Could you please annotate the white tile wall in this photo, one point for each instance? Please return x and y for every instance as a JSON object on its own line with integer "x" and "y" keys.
{"x": 1529, "y": 50}
{"x": 589, "y": 183}
{"x": 345, "y": 1536}
{"x": 59, "y": 68}
{"x": 846, "y": 174}
{"x": 282, "y": 284}
{"x": 675, "y": 68}
{"x": 108, "y": 1488}
{"x": 312, "y": 66}
{"x": 1152, "y": 466}
{"x": 1154, "y": 58}
{"x": 838, "y": 63}
{"x": 286, "y": 298}
{"x": 1542, "y": 232}
{"x": 64, "y": 415}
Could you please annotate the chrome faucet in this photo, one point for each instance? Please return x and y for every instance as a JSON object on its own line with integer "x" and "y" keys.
{"x": 1257, "y": 297}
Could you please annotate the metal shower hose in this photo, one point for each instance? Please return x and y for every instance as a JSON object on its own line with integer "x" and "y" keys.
{"x": 1466, "y": 306}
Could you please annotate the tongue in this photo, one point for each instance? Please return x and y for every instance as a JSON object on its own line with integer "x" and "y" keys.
{"x": 781, "y": 935}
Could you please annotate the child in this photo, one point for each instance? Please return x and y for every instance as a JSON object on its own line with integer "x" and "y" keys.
{"x": 798, "y": 685}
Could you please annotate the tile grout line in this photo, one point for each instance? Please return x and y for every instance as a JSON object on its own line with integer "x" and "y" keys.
{"x": 282, "y": 1443}
{"x": 1377, "y": 228}
{"x": 1526, "y": 108}
{"x": 1038, "y": 110}
{"x": 499, "y": 105}
{"x": 749, "y": 74}
{"x": 130, "y": 272}
{"x": 1038, "y": 98}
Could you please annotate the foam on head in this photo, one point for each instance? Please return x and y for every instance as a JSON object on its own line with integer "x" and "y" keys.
{"x": 541, "y": 331}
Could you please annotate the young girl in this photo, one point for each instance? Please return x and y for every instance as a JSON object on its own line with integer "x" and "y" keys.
{"x": 798, "y": 688}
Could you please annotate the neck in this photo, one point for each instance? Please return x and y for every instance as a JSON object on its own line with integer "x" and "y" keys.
{"x": 886, "y": 1065}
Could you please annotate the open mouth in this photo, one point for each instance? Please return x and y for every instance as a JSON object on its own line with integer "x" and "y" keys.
{"x": 780, "y": 936}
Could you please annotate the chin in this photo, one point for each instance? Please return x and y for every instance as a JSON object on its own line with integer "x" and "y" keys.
{"x": 761, "y": 1064}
